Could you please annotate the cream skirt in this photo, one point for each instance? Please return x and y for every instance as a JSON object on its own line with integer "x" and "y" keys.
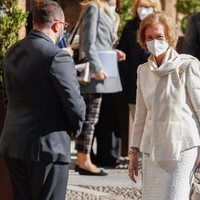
{"x": 168, "y": 180}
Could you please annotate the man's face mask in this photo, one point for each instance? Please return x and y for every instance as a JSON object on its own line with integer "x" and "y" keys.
{"x": 62, "y": 41}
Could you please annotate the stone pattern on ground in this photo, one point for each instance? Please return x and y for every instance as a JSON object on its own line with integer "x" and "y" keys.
{"x": 88, "y": 192}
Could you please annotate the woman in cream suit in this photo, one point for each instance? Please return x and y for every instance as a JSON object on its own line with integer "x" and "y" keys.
{"x": 96, "y": 34}
{"x": 166, "y": 127}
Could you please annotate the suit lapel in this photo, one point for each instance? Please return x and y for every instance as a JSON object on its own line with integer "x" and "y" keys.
{"x": 107, "y": 21}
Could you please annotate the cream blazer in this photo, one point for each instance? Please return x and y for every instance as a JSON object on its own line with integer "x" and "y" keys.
{"x": 146, "y": 82}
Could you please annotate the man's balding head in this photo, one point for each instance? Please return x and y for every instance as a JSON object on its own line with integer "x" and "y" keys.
{"x": 46, "y": 12}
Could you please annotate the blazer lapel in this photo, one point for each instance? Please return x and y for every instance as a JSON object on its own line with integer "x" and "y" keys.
{"x": 107, "y": 22}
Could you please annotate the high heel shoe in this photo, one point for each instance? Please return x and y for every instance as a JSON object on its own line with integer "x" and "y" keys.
{"x": 89, "y": 173}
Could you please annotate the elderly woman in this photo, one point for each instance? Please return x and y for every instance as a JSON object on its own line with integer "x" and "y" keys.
{"x": 166, "y": 127}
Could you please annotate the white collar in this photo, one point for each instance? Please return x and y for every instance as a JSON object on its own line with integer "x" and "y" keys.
{"x": 52, "y": 39}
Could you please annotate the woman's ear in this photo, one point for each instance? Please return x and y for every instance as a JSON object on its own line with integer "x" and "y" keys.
{"x": 54, "y": 27}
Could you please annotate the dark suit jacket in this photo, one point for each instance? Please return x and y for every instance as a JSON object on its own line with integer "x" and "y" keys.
{"x": 192, "y": 36}
{"x": 44, "y": 102}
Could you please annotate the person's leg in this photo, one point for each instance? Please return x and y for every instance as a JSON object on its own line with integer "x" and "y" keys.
{"x": 18, "y": 172}
{"x": 84, "y": 141}
{"x": 106, "y": 132}
{"x": 49, "y": 180}
{"x": 169, "y": 178}
{"x": 38, "y": 180}
{"x": 132, "y": 110}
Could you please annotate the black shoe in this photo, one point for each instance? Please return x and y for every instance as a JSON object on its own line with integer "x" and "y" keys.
{"x": 89, "y": 173}
{"x": 109, "y": 165}
{"x": 76, "y": 168}
{"x": 106, "y": 162}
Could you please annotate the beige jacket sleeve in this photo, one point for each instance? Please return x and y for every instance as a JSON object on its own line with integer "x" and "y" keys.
{"x": 140, "y": 114}
{"x": 193, "y": 85}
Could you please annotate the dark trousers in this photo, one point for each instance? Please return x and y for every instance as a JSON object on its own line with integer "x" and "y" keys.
{"x": 38, "y": 180}
{"x": 107, "y": 131}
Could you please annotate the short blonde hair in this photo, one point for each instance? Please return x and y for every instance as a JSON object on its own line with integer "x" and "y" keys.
{"x": 171, "y": 29}
{"x": 153, "y": 3}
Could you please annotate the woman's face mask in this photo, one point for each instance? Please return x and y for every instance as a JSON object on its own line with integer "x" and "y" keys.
{"x": 144, "y": 12}
{"x": 111, "y": 2}
{"x": 155, "y": 39}
{"x": 113, "y": 8}
{"x": 157, "y": 47}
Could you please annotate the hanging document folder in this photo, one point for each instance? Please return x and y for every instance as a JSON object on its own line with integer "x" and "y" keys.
{"x": 109, "y": 62}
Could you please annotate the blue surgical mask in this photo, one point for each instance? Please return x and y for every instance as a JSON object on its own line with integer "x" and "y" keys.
{"x": 62, "y": 42}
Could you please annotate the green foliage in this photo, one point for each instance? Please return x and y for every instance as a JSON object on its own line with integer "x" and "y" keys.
{"x": 187, "y": 8}
{"x": 126, "y": 13}
{"x": 11, "y": 20}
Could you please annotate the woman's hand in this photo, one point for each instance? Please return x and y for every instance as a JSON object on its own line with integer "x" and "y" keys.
{"x": 198, "y": 160}
{"x": 120, "y": 55}
{"x": 197, "y": 163}
{"x": 133, "y": 165}
{"x": 100, "y": 76}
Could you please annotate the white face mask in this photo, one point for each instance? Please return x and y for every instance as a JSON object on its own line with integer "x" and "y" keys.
{"x": 157, "y": 47}
{"x": 144, "y": 12}
{"x": 113, "y": 8}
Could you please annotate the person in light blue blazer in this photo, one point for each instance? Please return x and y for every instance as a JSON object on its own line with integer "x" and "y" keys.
{"x": 96, "y": 34}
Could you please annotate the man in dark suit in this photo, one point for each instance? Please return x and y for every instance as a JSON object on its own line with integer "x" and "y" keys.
{"x": 44, "y": 109}
{"x": 192, "y": 36}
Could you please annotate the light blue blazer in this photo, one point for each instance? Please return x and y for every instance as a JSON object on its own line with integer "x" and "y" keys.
{"x": 97, "y": 34}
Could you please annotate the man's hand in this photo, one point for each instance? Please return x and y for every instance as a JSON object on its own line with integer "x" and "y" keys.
{"x": 133, "y": 166}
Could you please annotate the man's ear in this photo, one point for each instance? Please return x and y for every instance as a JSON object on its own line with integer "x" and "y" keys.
{"x": 54, "y": 27}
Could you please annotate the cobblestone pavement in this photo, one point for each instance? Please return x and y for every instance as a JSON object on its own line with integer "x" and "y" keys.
{"x": 104, "y": 193}
{"x": 115, "y": 186}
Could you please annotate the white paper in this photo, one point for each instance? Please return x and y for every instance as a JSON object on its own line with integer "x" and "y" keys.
{"x": 109, "y": 62}
{"x": 85, "y": 74}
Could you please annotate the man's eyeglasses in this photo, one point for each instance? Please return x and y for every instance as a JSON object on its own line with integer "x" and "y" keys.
{"x": 66, "y": 24}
